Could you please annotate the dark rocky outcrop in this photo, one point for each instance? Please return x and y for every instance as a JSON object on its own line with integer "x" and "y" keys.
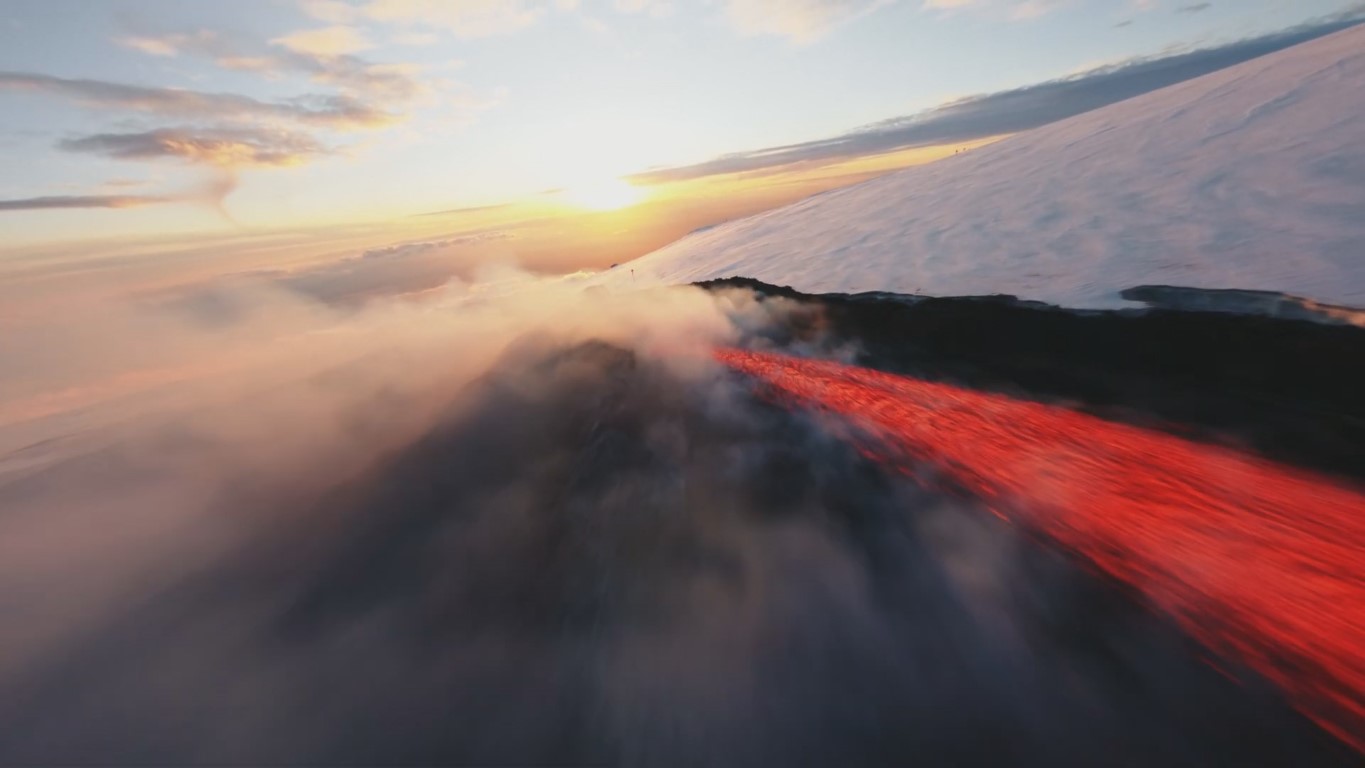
{"x": 1289, "y": 389}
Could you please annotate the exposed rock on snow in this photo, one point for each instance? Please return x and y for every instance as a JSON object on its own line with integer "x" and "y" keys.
{"x": 1271, "y": 303}
{"x": 1287, "y": 390}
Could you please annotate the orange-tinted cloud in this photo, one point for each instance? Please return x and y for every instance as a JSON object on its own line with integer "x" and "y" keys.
{"x": 221, "y": 147}
{"x": 55, "y": 202}
{"x": 323, "y": 110}
{"x": 336, "y": 40}
{"x": 802, "y": 21}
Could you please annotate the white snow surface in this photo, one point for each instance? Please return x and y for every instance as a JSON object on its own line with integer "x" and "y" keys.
{"x": 1252, "y": 177}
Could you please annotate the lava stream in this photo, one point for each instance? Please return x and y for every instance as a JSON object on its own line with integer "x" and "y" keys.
{"x": 1260, "y": 562}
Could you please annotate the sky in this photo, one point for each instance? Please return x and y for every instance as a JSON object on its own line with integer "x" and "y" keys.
{"x": 127, "y": 120}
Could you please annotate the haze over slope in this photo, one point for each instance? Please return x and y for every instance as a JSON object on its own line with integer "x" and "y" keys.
{"x": 1251, "y": 177}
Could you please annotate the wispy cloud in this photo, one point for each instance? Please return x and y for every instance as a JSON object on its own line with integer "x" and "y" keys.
{"x": 1005, "y": 9}
{"x": 1007, "y": 111}
{"x": 336, "y": 40}
{"x": 1032, "y": 9}
{"x": 220, "y": 147}
{"x": 328, "y": 110}
{"x": 161, "y": 45}
{"x": 331, "y": 11}
{"x": 1194, "y": 8}
{"x": 656, "y": 8}
{"x": 802, "y": 21}
{"x": 325, "y": 56}
{"x": 468, "y": 209}
{"x": 415, "y": 39}
{"x": 384, "y": 272}
{"x": 229, "y": 132}
{"x": 463, "y": 18}
{"x": 81, "y": 201}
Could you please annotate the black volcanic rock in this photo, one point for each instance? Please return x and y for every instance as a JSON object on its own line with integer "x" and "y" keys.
{"x": 1289, "y": 389}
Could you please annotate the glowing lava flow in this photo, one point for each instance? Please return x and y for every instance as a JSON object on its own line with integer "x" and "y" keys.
{"x": 1262, "y": 563}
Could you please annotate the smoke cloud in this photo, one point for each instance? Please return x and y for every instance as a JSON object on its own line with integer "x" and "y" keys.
{"x": 525, "y": 521}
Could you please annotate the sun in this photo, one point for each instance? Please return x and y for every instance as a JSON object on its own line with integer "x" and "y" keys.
{"x": 603, "y": 195}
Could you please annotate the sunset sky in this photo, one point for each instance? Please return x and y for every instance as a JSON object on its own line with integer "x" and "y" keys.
{"x": 564, "y": 133}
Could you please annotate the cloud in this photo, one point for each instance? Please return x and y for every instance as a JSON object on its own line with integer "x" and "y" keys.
{"x": 1007, "y": 111}
{"x": 149, "y": 45}
{"x": 325, "y": 56}
{"x": 463, "y": 18}
{"x": 168, "y": 45}
{"x": 326, "y": 41}
{"x": 228, "y": 131}
{"x": 411, "y": 249}
{"x": 1194, "y": 8}
{"x": 200, "y": 484}
{"x": 655, "y": 8}
{"x": 469, "y": 209}
{"x": 62, "y": 202}
{"x": 802, "y": 21}
{"x": 393, "y": 86}
{"x": 1009, "y": 9}
{"x": 331, "y": 11}
{"x": 221, "y": 147}
{"x": 337, "y": 111}
{"x": 524, "y": 523}
{"x": 235, "y": 131}
{"x": 411, "y": 270}
{"x": 807, "y": 20}
{"x": 415, "y": 39}
{"x": 395, "y": 270}
{"x": 1032, "y": 9}
{"x": 122, "y": 183}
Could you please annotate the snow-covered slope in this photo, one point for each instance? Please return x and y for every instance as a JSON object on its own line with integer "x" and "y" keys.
{"x": 1251, "y": 177}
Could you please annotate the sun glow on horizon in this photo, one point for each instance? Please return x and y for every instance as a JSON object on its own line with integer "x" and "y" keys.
{"x": 604, "y": 195}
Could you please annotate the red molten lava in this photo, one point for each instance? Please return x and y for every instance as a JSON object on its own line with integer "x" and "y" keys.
{"x": 1261, "y": 563}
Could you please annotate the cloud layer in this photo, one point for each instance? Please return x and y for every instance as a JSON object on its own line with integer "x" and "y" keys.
{"x": 525, "y": 523}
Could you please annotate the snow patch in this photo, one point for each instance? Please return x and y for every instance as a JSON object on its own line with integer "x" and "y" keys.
{"x": 1252, "y": 178}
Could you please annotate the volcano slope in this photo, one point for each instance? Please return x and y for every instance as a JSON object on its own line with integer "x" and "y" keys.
{"x": 1247, "y": 178}
{"x": 1261, "y": 561}
{"x": 597, "y": 557}
{"x": 1286, "y": 389}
